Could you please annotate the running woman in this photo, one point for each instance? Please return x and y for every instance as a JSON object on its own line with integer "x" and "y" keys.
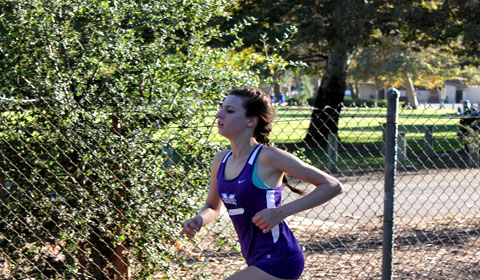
{"x": 248, "y": 179}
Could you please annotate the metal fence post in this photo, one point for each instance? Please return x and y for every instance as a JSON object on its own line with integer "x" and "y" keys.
{"x": 402, "y": 148}
{"x": 332, "y": 152}
{"x": 428, "y": 141}
{"x": 390, "y": 169}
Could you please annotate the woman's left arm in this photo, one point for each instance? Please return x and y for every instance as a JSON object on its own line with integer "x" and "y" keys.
{"x": 327, "y": 188}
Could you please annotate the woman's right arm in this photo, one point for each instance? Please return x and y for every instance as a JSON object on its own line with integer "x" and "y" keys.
{"x": 211, "y": 209}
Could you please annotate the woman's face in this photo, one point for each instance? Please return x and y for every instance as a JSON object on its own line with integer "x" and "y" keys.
{"x": 231, "y": 118}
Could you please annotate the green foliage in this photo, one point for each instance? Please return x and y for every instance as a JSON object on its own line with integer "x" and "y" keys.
{"x": 306, "y": 86}
{"x": 329, "y": 28}
{"x": 305, "y": 93}
{"x": 300, "y": 99}
{"x": 108, "y": 148}
{"x": 390, "y": 62}
{"x": 362, "y": 102}
{"x": 471, "y": 134}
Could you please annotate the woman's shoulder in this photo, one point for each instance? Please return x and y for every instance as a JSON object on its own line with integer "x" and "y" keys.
{"x": 217, "y": 159}
{"x": 219, "y": 156}
{"x": 269, "y": 154}
{"x": 221, "y": 153}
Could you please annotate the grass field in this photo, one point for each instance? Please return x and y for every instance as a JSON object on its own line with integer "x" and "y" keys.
{"x": 361, "y": 131}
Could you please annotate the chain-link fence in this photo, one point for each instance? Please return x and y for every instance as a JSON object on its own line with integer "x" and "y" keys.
{"x": 102, "y": 194}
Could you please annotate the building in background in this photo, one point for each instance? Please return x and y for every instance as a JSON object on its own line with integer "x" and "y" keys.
{"x": 453, "y": 92}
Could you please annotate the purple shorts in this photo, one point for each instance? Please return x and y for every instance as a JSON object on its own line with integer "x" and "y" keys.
{"x": 289, "y": 270}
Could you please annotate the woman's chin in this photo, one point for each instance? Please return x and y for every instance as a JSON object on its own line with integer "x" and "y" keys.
{"x": 221, "y": 131}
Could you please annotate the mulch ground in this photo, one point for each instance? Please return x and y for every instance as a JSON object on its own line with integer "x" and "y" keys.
{"x": 440, "y": 249}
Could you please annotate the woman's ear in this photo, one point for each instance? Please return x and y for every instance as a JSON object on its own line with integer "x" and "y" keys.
{"x": 252, "y": 122}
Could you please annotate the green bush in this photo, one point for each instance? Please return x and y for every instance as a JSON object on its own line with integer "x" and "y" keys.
{"x": 104, "y": 143}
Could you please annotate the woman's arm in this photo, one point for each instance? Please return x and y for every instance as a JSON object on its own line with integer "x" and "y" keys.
{"x": 212, "y": 206}
{"x": 327, "y": 187}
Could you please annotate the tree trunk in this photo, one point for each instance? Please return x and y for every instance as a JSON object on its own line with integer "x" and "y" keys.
{"x": 355, "y": 91}
{"x": 316, "y": 85}
{"x": 118, "y": 258}
{"x": 443, "y": 95}
{"x": 324, "y": 119}
{"x": 381, "y": 94}
{"x": 98, "y": 261}
{"x": 276, "y": 91}
{"x": 411, "y": 96}
{"x": 120, "y": 262}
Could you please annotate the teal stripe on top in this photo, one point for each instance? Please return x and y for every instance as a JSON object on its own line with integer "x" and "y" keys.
{"x": 256, "y": 180}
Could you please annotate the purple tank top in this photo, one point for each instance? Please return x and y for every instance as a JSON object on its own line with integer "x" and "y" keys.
{"x": 243, "y": 200}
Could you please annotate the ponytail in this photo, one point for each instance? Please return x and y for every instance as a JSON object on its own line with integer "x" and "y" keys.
{"x": 286, "y": 182}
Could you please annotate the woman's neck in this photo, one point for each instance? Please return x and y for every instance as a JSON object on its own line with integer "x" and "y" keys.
{"x": 242, "y": 148}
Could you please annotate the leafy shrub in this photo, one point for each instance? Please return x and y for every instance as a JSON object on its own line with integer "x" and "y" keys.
{"x": 104, "y": 132}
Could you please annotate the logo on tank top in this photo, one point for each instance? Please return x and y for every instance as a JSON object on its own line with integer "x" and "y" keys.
{"x": 229, "y": 198}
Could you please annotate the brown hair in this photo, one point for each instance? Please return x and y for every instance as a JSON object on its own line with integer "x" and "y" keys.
{"x": 258, "y": 104}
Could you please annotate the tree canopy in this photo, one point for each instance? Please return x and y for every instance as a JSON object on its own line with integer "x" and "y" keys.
{"x": 391, "y": 62}
{"x": 330, "y": 32}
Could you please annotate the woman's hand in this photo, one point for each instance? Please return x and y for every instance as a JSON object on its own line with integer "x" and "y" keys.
{"x": 191, "y": 226}
{"x": 268, "y": 218}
